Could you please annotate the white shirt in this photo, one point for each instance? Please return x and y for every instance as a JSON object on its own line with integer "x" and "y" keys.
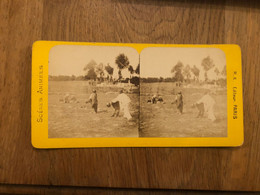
{"x": 207, "y": 100}
{"x": 123, "y": 99}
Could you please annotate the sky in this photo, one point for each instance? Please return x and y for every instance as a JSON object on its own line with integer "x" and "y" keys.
{"x": 71, "y": 59}
{"x": 155, "y": 62}
{"x": 158, "y": 62}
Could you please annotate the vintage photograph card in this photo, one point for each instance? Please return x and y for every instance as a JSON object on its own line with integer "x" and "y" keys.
{"x": 136, "y": 95}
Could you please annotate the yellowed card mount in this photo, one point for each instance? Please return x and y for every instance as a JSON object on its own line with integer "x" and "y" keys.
{"x": 136, "y": 95}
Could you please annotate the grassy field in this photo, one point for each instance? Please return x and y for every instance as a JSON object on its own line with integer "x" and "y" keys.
{"x": 163, "y": 120}
{"x": 77, "y": 119}
{"x": 71, "y": 120}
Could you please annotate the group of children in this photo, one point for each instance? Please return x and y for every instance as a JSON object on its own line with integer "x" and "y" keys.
{"x": 120, "y": 103}
{"x": 205, "y": 105}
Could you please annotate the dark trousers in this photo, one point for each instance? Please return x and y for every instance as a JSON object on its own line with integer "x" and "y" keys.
{"x": 180, "y": 108}
{"x": 95, "y": 106}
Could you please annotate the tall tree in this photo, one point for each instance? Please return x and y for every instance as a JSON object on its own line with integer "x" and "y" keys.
{"x": 90, "y": 70}
{"x": 137, "y": 70}
{"x": 177, "y": 71}
{"x": 131, "y": 70}
{"x": 120, "y": 75}
{"x": 186, "y": 72}
{"x": 195, "y": 71}
{"x": 217, "y": 71}
{"x": 100, "y": 71}
{"x": 207, "y": 63}
{"x": 91, "y": 74}
{"x": 122, "y": 62}
{"x": 91, "y": 65}
{"x": 110, "y": 70}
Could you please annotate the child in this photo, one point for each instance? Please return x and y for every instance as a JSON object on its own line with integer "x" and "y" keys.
{"x": 208, "y": 103}
{"x": 179, "y": 102}
{"x": 124, "y": 102}
{"x": 93, "y": 100}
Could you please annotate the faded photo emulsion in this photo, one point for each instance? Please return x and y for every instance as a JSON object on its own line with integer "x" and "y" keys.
{"x": 114, "y": 91}
{"x": 183, "y": 92}
{"x": 93, "y": 92}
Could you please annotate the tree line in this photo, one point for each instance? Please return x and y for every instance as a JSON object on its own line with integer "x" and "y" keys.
{"x": 180, "y": 72}
{"x": 66, "y": 78}
{"x": 96, "y": 71}
{"x": 188, "y": 73}
{"x": 101, "y": 72}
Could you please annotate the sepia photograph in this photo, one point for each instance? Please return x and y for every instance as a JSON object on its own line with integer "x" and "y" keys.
{"x": 105, "y": 91}
{"x": 93, "y": 91}
{"x": 183, "y": 92}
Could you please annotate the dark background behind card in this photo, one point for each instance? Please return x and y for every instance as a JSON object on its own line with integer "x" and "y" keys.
{"x": 132, "y": 21}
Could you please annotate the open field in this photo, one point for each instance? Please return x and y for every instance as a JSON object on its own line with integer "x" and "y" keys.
{"x": 163, "y": 120}
{"x": 77, "y": 119}
{"x": 74, "y": 120}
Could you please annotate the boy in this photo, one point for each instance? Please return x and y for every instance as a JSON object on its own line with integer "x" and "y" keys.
{"x": 124, "y": 102}
{"x": 93, "y": 100}
{"x": 179, "y": 102}
{"x": 208, "y": 103}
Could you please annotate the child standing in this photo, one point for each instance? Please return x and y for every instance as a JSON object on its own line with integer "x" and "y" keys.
{"x": 93, "y": 100}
